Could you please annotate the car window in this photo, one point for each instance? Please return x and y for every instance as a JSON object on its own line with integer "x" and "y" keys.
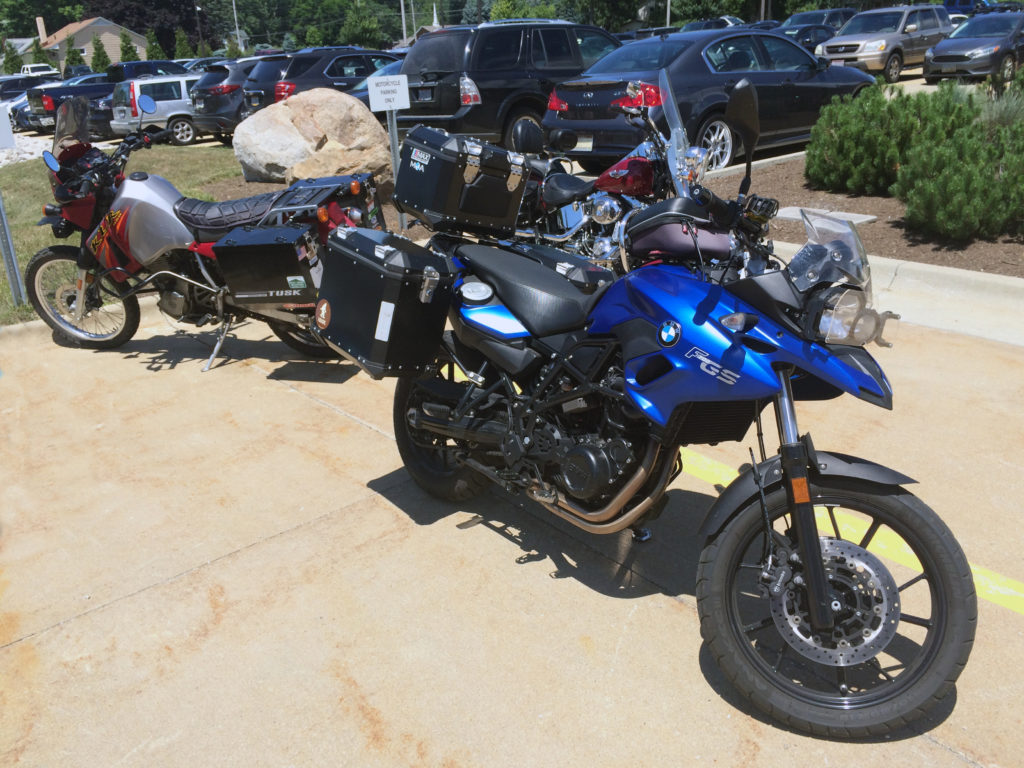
{"x": 641, "y": 56}
{"x": 162, "y": 91}
{"x": 927, "y": 20}
{"x": 593, "y": 45}
{"x": 733, "y": 54}
{"x": 870, "y": 23}
{"x": 552, "y": 49}
{"x": 348, "y": 66}
{"x": 271, "y": 69}
{"x": 298, "y": 66}
{"x": 498, "y": 49}
{"x": 376, "y": 62}
{"x": 442, "y": 52}
{"x": 784, "y": 55}
{"x": 120, "y": 97}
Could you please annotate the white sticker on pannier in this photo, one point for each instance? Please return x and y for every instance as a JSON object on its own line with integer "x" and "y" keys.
{"x": 387, "y": 312}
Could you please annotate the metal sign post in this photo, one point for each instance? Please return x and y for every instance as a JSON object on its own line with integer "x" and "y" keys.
{"x": 10, "y": 259}
{"x": 390, "y": 94}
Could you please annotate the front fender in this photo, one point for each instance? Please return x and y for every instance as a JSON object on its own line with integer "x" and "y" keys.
{"x": 743, "y": 489}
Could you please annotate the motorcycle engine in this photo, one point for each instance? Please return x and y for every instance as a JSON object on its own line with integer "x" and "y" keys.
{"x": 603, "y": 209}
{"x": 589, "y": 469}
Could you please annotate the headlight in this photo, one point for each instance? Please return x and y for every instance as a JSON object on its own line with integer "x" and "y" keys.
{"x": 819, "y": 50}
{"x": 987, "y": 50}
{"x": 929, "y": 54}
{"x": 844, "y": 317}
{"x": 875, "y": 46}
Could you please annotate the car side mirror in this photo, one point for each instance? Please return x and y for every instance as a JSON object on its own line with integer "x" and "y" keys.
{"x": 823, "y": 63}
{"x": 910, "y": 28}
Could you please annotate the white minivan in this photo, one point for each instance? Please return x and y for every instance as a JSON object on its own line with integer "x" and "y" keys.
{"x": 173, "y": 106}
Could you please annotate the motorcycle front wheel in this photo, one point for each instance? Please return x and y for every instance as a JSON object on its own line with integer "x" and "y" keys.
{"x": 110, "y": 318}
{"x": 903, "y": 603}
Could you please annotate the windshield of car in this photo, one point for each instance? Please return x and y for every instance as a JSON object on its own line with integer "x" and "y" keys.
{"x": 390, "y": 68}
{"x": 989, "y": 25}
{"x": 441, "y": 52}
{"x": 869, "y": 23}
{"x": 807, "y": 17}
{"x": 641, "y": 56}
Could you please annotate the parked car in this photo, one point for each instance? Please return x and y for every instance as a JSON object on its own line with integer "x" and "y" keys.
{"x": 200, "y": 64}
{"x": 702, "y": 67}
{"x": 12, "y": 86}
{"x": 484, "y": 80}
{"x": 765, "y": 24}
{"x": 174, "y": 107}
{"x": 101, "y": 112}
{"x": 39, "y": 69}
{"x": 810, "y": 36}
{"x": 985, "y": 44}
{"x": 886, "y": 40}
{"x": 336, "y": 67}
{"x": 258, "y": 89}
{"x": 217, "y": 98}
{"x": 834, "y": 17}
{"x": 702, "y": 24}
{"x": 361, "y": 90}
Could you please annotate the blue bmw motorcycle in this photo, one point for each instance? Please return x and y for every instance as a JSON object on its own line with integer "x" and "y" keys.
{"x": 831, "y": 597}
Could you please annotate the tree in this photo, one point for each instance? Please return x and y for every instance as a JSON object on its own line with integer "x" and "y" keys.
{"x": 100, "y": 57}
{"x": 74, "y": 57}
{"x": 361, "y": 27}
{"x": 182, "y": 47}
{"x": 233, "y": 51}
{"x": 12, "y": 61}
{"x": 153, "y": 48}
{"x": 128, "y": 50}
{"x": 520, "y": 9}
{"x": 314, "y": 37}
{"x": 39, "y": 56}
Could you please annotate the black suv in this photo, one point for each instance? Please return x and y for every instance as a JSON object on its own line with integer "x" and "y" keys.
{"x": 217, "y": 99}
{"x": 258, "y": 89}
{"x": 483, "y": 80}
{"x": 339, "y": 68}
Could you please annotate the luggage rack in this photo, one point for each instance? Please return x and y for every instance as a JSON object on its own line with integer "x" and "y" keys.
{"x": 303, "y": 197}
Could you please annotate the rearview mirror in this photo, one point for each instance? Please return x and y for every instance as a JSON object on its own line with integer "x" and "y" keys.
{"x": 741, "y": 115}
{"x": 51, "y": 161}
{"x": 146, "y": 104}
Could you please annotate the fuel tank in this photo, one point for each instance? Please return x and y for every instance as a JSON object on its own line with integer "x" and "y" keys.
{"x": 142, "y": 221}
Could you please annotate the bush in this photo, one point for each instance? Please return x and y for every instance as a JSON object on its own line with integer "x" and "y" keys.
{"x": 860, "y": 142}
{"x": 969, "y": 186}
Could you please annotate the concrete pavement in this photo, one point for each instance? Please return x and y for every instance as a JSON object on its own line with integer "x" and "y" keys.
{"x": 233, "y": 568}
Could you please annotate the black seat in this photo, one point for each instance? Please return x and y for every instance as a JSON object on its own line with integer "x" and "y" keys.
{"x": 562, "y": 188}
{"x": 211, "y": 221}
{"x": 544, "y": 301}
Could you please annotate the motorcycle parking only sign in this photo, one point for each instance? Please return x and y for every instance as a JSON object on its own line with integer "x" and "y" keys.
{"x": 388, "y": 93}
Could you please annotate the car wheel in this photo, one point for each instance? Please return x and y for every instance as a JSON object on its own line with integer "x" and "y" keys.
{"x": 717, "y": 138}
{"x": 518, "y": 116}
{"x": 1006, "y": 69}
{"x": 182, "y": 131}
{"x": 893, "y": 67}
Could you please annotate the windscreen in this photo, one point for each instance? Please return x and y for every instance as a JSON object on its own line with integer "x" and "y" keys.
{"x": 989, "y": 25}
{"x": 642, "y": 56}
{"x": 72, "y": 124}
{"x": 870, "y": 23}
{"x": 442, "y": 53}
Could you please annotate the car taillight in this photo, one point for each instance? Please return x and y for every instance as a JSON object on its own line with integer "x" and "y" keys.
{"x": 468, "y": 92}
{"x": 131, "y": 100}
{"x": 556, "y": 104}
{"x": 648, "y": 96}
{"x": 221, "y": 90}
{"x": 283, "y": 90}
{"x": 47, "y": 103}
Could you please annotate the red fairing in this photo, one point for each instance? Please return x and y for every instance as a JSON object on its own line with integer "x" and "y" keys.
{"x": 633, "y": 176}
{"x": 79, "y": 211}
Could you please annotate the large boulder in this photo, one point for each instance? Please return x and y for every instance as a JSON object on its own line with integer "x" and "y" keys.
{"x": 316, "y": 133}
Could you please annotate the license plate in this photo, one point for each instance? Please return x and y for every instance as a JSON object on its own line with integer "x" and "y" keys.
{"x": 200, "y": 105}
{"x": 948, "y": 68}
{"x": 254, "y": 100}
{"x": 585, "y": 143}
{"x": 838, "y": 63}
{"x": 424, "y": 94}
{"x": 46, "y": 121}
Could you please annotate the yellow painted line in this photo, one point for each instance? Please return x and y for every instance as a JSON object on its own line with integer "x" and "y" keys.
{"x": 991, "y": 586}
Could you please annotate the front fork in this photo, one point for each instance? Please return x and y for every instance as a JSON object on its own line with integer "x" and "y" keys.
{"x": 795, "y": 462}
{"x": 86, "y": 263}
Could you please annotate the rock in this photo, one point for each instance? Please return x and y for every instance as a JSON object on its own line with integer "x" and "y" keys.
{"x": 316, "y": 133}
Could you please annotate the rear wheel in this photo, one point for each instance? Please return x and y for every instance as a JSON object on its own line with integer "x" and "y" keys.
{"x": 429, "y": 458}
{"x": 518, "y": 116}
{"x": 717, "y": 138}
{"x": 903, "y": 604}
{"x": 110, "y": 318}
{"x": 893, "y": 68}
{"x": 302, "y": 340}
{"x": 182, "y": 131}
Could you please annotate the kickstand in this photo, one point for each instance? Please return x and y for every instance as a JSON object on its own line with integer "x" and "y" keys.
{"x": 220, "y": 340}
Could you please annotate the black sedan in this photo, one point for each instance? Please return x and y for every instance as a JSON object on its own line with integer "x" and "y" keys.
{"x": 985, "y": 44}
{"x": 792, "y": 87}
{"x": 808, "y": 35}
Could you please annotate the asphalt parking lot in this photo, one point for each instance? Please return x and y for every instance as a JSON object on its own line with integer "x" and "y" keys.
{"x": 232, "y": 568}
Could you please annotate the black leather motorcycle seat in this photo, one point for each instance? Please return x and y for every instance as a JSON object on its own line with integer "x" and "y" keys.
{"x": 211, "y": 221}
{"x": 562, "y": 188}
{"x": 544, "y": 301}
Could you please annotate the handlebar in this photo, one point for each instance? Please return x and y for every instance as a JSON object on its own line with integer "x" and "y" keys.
{"x": 750, "y": 219}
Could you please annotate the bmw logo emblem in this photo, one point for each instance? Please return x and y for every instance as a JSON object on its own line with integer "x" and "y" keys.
{"x": 669, "y": 333}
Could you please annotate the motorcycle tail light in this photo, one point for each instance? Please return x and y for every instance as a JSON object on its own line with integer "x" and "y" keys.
{"x": 556, "y": 104}
{"x": 283, "y": 90}
{"x": 468, "y": 92}
{"x": 47, "y": 103}
{"x": 646, "y": 96}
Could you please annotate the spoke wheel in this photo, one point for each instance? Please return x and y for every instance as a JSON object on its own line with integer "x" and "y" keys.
{"x": 717, "y": 138}
{"x": 893, "y": 68}
{"x": 430, "y": 458}
{"x": 903, "y": 604}
{"x": 110, "y": 318}
{"x": 302, "y": 340}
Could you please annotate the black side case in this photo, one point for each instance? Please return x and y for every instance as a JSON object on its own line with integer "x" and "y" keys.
{"x": 383, "y": 301}
{"x": 459, "y": 184}
{"x": 268, "y": 266}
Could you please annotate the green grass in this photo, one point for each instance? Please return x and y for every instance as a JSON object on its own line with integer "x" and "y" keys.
{"x": 26, "y": 188}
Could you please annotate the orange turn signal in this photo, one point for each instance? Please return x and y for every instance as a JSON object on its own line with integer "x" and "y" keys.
{"x": 321, "y": 214}
{"x": 355, "y": 187}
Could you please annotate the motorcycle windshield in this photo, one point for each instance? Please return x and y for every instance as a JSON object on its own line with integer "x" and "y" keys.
{"x": 677, "y": 142}
{"x": 72, "y": 125}
{"x": 833, "y": 253}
